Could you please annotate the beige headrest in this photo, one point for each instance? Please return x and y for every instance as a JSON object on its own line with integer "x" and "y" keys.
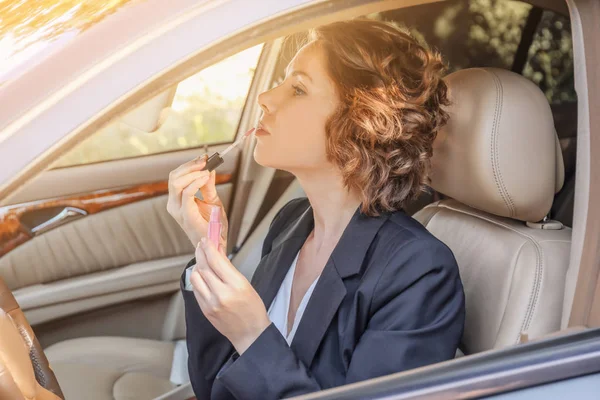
{"x": 499, "y": 152}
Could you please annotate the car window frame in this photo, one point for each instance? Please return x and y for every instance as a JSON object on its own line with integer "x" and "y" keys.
{"x": 484, "y": 374}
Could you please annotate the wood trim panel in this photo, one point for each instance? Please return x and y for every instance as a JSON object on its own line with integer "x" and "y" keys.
{"x": 14, "y": 233}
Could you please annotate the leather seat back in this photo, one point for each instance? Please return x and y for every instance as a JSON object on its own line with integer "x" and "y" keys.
{"x": 499, "y": 161}
{"x": 24, "y": 369}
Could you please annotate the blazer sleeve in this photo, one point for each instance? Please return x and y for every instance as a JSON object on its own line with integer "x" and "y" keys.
{"x": 416, "y": 318}
{"x": 208, "y": 349}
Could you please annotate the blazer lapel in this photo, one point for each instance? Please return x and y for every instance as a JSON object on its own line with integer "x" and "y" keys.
{"x": 346, "y": 260}
{"x": 320, "y": 310}
{"x": 271, "y": 271}
{"x": 276, "y": 266}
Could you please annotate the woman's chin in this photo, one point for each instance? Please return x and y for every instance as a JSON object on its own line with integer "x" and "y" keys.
{"x": 261, "y": 158}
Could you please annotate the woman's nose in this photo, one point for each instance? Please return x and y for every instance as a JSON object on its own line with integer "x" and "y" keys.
{"x": 266, "y": 101}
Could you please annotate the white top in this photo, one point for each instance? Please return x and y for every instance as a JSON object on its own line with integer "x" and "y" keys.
{"x": 278, "y": 312}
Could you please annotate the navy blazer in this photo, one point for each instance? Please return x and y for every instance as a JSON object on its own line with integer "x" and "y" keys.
{"x": 389, "y": 299}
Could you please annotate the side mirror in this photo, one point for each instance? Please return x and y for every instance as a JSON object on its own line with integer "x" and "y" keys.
{"x": 150, "y": 115}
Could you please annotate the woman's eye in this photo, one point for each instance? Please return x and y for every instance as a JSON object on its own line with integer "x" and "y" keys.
{"x": 298, "y": 91}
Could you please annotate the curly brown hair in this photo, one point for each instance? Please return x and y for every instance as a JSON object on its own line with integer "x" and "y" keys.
{"x": 392, "y": 99}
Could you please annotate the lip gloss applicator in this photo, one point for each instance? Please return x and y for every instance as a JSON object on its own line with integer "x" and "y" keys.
{"x": 217, "y": 158}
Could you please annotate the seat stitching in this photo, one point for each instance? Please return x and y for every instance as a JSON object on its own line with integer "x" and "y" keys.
{"x": 510, "y": 290}
{"x": 493, "y": 142}
{"x": 494, "y": 147}
{"x": 534, "y": 294}
{"x": 537, "y": 283}
{"x": 511, "y": 203}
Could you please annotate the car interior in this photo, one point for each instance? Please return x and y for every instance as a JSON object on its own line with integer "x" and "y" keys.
{"x": 95, "y": 273}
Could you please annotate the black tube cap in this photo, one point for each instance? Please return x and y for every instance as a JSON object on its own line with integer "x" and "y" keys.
{"x": 213, "y": 162}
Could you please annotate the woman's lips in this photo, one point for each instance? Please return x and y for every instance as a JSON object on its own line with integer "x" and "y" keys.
{"x": 260, "y": 131}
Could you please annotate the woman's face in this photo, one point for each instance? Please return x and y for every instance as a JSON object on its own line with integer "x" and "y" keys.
{"x": 295, "y": 113}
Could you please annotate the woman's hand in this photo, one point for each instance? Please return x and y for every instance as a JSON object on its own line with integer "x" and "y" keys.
{"x": 226, "y": 297}
{"x": 191, "y": 213}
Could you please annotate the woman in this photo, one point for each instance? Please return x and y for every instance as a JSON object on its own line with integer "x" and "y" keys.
{"x": 349, "y": 287}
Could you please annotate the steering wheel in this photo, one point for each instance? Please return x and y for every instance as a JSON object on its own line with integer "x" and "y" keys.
{"x": 24, "y": 369}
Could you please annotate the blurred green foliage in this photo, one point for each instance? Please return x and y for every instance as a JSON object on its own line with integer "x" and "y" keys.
{"x": 550, "y": 61}
{"x": 487, "y": 33}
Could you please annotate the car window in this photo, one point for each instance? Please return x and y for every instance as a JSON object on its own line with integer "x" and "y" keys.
{"x": 487, "y": 33}
{"x": 206, "y": 110}
{"x": 550, "y": 59}
{"x": 468, "y": 33}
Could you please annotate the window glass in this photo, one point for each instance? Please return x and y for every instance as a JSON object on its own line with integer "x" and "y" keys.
{"x": 487, "y": 33}
{"x": 550, "y": 58}
{"x": 206, "y": 110}
{"x": 468, "y": 33}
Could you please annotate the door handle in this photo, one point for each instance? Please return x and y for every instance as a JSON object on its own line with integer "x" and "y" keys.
{"x": 67, "y": 214}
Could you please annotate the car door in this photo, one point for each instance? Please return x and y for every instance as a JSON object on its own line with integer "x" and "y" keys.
{"x": 94, "y": 251}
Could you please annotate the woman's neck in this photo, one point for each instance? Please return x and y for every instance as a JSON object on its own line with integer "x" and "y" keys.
{"x": 333, "y": 204}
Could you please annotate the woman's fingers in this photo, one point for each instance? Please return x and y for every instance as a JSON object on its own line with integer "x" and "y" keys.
{"x": 197, "y": 164}
{"x": 220, "y": 264}
{"x": 214, "y": 283}
{"x": 188, "y": 195}
{"x": 222, "y": 250}
{"x": 201, "y": 261}
{"x": 177, "y": 185}
{"x": 183, "y": 181}
{"x": 200, "y": 286}
{"x": 209, "y": 191}
{"x": 180, "y": 178}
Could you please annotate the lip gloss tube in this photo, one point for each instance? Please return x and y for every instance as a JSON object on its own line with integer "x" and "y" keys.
{"x": 214, "y": 226}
